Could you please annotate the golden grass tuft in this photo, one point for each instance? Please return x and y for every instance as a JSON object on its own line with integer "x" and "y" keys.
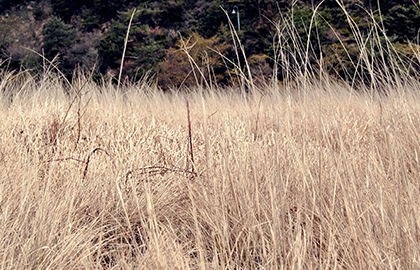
{"x": 318, "y": 178}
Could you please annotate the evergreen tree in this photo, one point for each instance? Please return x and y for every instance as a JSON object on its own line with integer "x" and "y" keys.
{"x": 407, "y": 16}
{"x": 58, "y": 38}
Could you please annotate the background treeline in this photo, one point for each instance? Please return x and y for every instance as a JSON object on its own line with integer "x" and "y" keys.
{"x": 168, "y": 38}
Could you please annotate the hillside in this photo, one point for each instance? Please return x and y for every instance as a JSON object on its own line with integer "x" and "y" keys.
{"x": 90, "y": 35}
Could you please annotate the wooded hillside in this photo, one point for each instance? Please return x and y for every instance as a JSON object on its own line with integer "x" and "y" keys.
{"x": 90, "y": 35}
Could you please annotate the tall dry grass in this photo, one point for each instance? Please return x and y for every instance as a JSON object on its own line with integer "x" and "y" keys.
{"x": 313, "y": 173}
{"x": 313, "y": 179}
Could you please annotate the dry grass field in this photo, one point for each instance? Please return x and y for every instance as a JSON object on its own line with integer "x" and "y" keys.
{"x": 319, "y": 177}
{"x": 313, "y": 173}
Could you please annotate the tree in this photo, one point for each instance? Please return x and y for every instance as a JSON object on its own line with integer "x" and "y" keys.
{"x": 66, "y": 9}
{"x": 209, "y": 23}
{"x": 146, "y": 45}
{"x": 58, "y": 38}
{"x": 91, "y": 19}
{"x": 403, "y": 15}
{"x": 191, "y": 59}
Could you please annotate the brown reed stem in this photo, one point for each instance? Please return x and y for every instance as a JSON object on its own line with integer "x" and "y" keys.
{"x": 90, "y": 155}
{"x": 190, "y": 156}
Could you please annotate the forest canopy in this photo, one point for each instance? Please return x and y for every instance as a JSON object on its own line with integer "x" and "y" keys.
{"x": 176, "y": 40}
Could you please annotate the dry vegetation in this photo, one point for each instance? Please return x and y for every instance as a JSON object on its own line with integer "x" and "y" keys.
{"x": 314, "y": 178}
{"x": 316, "y": 174}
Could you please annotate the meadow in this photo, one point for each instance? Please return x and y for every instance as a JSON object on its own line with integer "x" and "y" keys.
{"x": 316, "y": 178}
{"x": 312, "y": 172}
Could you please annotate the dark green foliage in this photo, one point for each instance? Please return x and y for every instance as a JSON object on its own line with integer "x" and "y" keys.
{"x": 171, "y": 14}
{"x": 150, "y": 52}
{"x": 111, "y": 48}
{"x": 108, "y": 9}
{"x": 39, "y": 13}
{"x": 403, "y": 22}
{"x": 91, "y": 20}
{"x": 146, "y": 45}
{"x": 58, "y": 37}
{"x": 316, "y": 31}
{"x": 209, "y": 23}
{"x": 65, "y": 9}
